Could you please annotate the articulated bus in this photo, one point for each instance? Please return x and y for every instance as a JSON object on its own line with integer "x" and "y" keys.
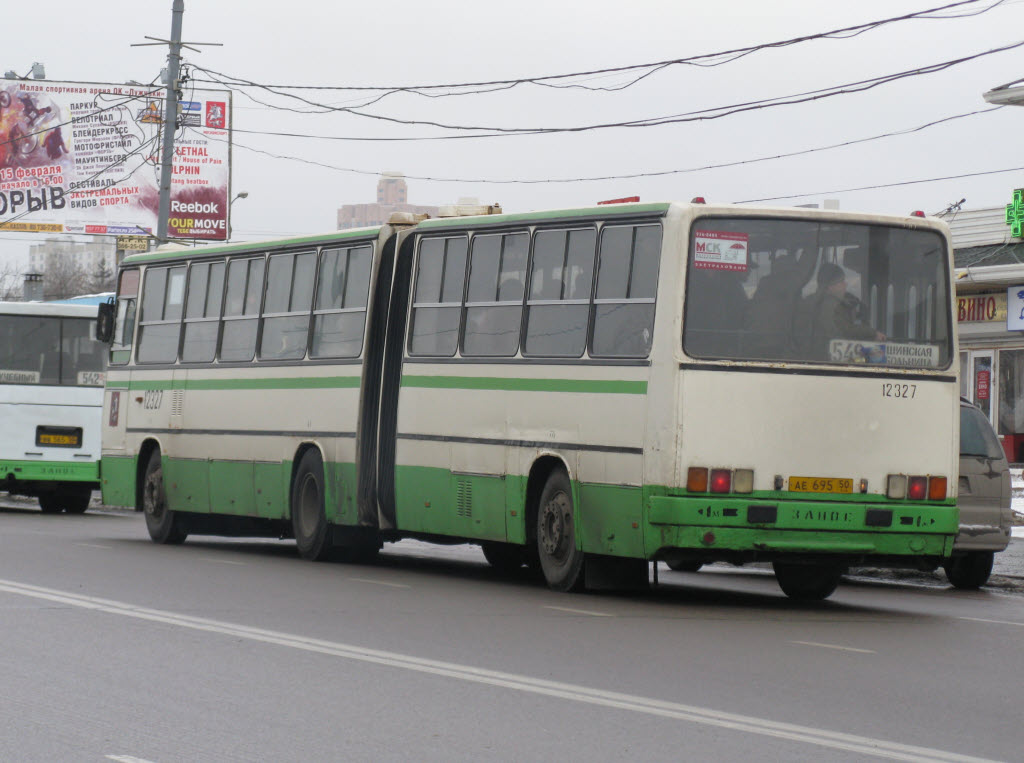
{"x": 581, "y": 391}
{"x": 51, "y": 398}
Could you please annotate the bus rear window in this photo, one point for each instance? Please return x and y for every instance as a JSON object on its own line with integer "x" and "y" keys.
{"x": 817, "y": 292}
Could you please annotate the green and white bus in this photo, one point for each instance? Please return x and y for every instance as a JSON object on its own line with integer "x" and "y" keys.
{"x": 579, "y": 390}
{"x": 51, "y": 397}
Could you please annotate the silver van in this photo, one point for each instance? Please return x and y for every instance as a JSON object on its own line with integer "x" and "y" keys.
{"x": 984, "y": 498}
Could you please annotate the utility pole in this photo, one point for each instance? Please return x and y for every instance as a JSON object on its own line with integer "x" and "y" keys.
{"x": 170, "y": 119}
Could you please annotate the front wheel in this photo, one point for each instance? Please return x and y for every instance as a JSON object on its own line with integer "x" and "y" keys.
{"x": 807, "y": 582}
{"x": 560, "y": 559}
{"x": 164, "y": 525}
{"x": 970, "y": 571}
{"x": 309, "y": 522}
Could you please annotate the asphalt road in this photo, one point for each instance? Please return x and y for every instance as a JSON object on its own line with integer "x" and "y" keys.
{"x": 225, "y": 650}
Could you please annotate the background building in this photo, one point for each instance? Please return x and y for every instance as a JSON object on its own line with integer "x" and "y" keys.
{"x": 70, "y": 268}
{"x": 392, "y": 196}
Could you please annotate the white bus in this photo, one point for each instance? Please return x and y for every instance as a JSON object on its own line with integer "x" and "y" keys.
{"x": 580, "y": 390}
{"x": 51, "y": 397}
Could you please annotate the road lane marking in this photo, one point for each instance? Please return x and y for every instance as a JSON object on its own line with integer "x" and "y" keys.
{"x": 380, "y": 582}
{"x": 993, "y": 622}
{"x": 835, "y": 646}
{"x": 127, "y": 759}
{"x": 223, "y": 561}
{"x": 93, "y": 545}
{"x": 581, "y": 611}
{"x": 573, "y": 692}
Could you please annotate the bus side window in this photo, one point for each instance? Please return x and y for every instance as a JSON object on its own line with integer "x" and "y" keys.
{"x": 437, "y": 301}
{"x": 202, "y": 311}
{"x": 494, "y": 302}
{"x": 163, "y": 295}
{"x": 339, "y": 316}
{"x": 241, "y": 311}
{"x": 558, "y": 307}
{"x": 124, "y": 320}
{"x": 627, "y": 283}
{"x": 287, "y": 303}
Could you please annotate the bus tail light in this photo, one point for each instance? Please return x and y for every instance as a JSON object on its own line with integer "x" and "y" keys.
{"x": 936, "y": 488}
{"x": 721, "y": 480}
{"x": 917, "y": 488}
{"x": 697, "y": 479}
{"x": 743, "y": 481}
{"x": 896, "y": 486}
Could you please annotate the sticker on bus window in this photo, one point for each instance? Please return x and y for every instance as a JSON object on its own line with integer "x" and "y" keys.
{"x": 19, "y": 377}
{"x": 719, "y": 250}
{"x": 91, "y": 378}
{"x": 884, "y": 353}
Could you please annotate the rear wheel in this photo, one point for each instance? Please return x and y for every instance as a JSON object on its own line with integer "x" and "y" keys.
{"x": 807, "y": 582}
{"x": 49, "y": 503}
{"x": 504, "y": 557}
{"x": 164, "y": 526}
{"x": 560, "y": 560}
{"x": 77, "y": 501}
{"x": 970, "y": 571}
{"x": 309, "y": 522}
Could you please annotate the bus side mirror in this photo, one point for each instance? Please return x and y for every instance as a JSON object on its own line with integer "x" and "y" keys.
{"x": 105, "y": 322}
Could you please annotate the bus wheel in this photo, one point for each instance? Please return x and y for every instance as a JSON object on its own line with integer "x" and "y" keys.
{"x": 504, "y": 557}
{"x": 807, "y": 582}
{"x": 969, "y": 571}
{"x": 309, "y": 523}
{"x": 164, "y": 525}
{"x": 76, "y": 501}
{"x": 560, "y": 560}
{"x": 49, "y": 503}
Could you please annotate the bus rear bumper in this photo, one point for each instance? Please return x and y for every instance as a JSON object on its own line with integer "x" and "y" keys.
{"x": 880, "y": 534}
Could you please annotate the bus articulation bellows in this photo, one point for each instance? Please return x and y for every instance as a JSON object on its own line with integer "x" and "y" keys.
{"x": 580, "y": 390}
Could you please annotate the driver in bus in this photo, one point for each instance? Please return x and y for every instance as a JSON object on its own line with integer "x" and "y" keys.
{"x": 833, "y": 312}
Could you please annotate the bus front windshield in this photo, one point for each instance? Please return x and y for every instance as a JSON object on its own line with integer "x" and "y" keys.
{"x": 817, "y": 292}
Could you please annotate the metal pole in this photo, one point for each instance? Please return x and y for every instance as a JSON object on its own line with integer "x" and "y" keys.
{"x": 170, "y": 119}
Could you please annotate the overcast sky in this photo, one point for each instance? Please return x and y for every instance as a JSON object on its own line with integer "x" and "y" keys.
{"x": 309, "y": 42}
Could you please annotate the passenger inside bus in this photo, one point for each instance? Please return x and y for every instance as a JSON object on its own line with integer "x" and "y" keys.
{"x": 832, "y": 313}
{"x": 770, "y": 318}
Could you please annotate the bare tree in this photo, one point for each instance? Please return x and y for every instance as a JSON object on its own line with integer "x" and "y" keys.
{"x": 64, "y": 277}
{"x": 10, "y": 282}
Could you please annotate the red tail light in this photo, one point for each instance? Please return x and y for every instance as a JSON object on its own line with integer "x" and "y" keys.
{"x": 721, "y": 480}
{"x": 917, "y": 488}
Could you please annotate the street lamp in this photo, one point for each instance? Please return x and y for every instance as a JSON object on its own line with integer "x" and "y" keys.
{"x": 239, "y": 195}
{"x": 1006, "y": 95}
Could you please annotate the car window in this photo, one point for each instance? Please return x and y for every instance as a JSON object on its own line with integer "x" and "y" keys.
{"x": 976, "y": 435}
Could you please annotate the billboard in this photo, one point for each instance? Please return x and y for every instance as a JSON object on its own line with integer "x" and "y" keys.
{"x": 78, "y": 157}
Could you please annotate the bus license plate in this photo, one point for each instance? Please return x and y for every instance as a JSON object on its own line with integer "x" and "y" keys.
{"x": 58, "y": 439}
{"x": 820, "y": 485}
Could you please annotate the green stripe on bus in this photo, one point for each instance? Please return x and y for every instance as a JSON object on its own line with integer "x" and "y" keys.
{"x": 50, "y": 471}
{"x": 312, "y": 382}
{"x": 598, "y": 386}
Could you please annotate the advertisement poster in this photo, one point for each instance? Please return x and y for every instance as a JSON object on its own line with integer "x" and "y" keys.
{"x": 720, "y": 250}
{"x": 84, "y": 158}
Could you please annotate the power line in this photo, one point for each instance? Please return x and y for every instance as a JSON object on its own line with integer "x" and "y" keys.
{"x": 716, "y": 112}
{"x": 881, "y": 185}
{"x": 728, "y": 55}
{"x": 628, "y": 176}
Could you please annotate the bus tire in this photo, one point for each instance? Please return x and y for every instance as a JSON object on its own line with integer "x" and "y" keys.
{"x": 76, "y": 501}
{"x": 49, "y": 503}
{"x": 504, "y": 557}
{"x": 309, "y": 522}
{"x": 164, "y": 526}
{"x": 970, "y": 571}
{"x": 560, "y": 560}
{"x": 807, "y": 582}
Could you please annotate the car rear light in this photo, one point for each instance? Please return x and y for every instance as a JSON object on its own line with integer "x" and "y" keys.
{"x": 721, "y": 480}
{"x": 917, "y": 488}
{"x": 743, "y": 481}
{"x": 896, "y": 486}
{"x": 936, "y": 488}
{"x": 697, "y": 479}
